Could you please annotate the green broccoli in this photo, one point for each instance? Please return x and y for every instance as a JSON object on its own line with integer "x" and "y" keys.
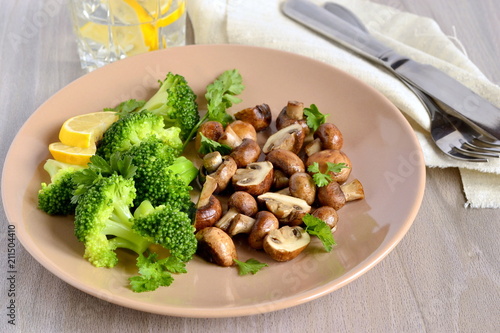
{"x": 162, "y": 177}
{"x": 55, "y": 198}
{"x": 132, "y": 129}
{"x": 103, "y": 220}
{"x": 168, "y": 227}
{"x": 176, "y": 102}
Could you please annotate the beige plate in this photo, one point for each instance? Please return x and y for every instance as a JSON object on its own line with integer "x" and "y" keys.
{"x": 385, "y": 154}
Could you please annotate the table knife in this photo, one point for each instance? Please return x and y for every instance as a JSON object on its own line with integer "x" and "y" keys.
{"x": 460, "y": 100}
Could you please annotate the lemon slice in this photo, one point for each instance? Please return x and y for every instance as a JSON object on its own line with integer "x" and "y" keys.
{"x": 173, "y": 16}
{"x": 85, "y": 130}
{"x": 128, "y": 39}
{"x": 151, "y": 7}
{"x": 130, "y": 12}
{"x": 136, "y": 34}
{"x": 71, "y": 155}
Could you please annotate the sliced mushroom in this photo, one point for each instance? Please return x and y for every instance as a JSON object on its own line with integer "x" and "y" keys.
{"x": 239, "y": 202}
{"x": 212, "y": 130}
{"x": 289, "y": 210}
{"x": 286, "y": 243}
{"x": 241, "y": 224}
{"x": 288, "y": 138}
{"x": 224, "y": 173}
{"x": 259, "y": 116}
{"x": 243, "y": 129}
{"x": 333, "y": 156}
{"x": 247, "y": 152}
{"x": 215, "y": 246}
{"x": 208, "y": 207}
{"x": 302, "y": 186}
{"x": 329, "y": 215}
{"x": 264, "y": 223}
{"x": 330, "y": 136}
{"x": 292, "y": 113}
{"x": 255, "y": 179}
{"x": 225, "y": 221}
{"x": 353, "y": 190}
{"x": 230, "y": 138}
{"x": 286, "y": 161}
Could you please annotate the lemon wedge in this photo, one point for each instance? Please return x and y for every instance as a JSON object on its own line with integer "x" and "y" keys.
{"x": 83, "y": 131}
{"x": 71, "y": 155}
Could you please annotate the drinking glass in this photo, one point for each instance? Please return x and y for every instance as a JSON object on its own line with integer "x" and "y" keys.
{"x": 109, "y": 30}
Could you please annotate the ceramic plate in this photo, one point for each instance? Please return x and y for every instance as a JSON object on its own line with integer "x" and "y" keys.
{"x": 385, "y": 155}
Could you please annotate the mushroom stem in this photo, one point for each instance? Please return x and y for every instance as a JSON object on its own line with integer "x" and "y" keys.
{"x": 241, "y": 224}
{"x": 225, "y": 221}
{"x": 353, "y": 190}
{"x": 212, "y": 161}
{"x": 230, "y": 138}
{"x": 295, "y": 110}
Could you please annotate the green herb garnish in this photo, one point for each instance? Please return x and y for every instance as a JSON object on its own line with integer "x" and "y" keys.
{"x": 251, "y": 266}
{"x": 314, "y": 118}
{"x": 317, "y": 227}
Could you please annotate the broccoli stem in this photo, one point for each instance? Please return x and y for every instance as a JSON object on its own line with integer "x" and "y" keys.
{"x": 185, "y": 169}
{"x": 119, "y": 224}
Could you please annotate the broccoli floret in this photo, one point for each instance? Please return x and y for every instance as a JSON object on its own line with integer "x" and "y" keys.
{"x": 103, "y": 220}
{"x": 176, "y": 102}
{"x": 132, "y": 129}
{"x": 161, "y": 177}
{"x": 151, "y": 149}
{"x": 55, "y": 198}
{"x": 168, "y": 227}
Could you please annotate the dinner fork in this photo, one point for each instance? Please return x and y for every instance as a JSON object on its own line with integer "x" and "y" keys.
{"x": 453, "y": 137}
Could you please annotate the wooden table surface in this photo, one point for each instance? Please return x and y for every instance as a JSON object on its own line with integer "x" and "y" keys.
{"x": 444, "y": 276}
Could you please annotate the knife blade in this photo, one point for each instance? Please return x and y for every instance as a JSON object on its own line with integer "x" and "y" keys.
{"x": 461, "y": 102}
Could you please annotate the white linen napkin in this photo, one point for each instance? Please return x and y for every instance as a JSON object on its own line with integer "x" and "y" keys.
{"x": 261, "y": 23}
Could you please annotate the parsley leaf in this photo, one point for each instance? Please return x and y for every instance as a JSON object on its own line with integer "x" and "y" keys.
{"x": 314, "y": 118}
{"x": 209, "y": 145}
{"x": 317, "y": 227}
{"x": 127, "y": 107}
{"x": 251, "y": 266}
{"x": 154, "y": 272}
{"x": 99, "y": 167}
{"x": 335, "y": 167}
{"x": 324, "y": 178}
{"x": 221, "y": 94}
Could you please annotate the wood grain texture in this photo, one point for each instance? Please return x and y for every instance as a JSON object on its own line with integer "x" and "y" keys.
{"x": 442, "y": 277}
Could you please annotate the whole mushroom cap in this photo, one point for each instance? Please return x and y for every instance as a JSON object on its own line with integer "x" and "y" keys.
{"x": 330, "y": 136}
{"x": 333, "y": 156}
